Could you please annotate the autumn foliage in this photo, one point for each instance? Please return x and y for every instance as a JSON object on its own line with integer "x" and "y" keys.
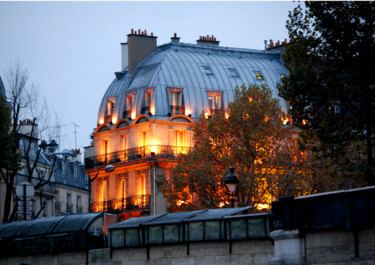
{"x": 249, "y": 135}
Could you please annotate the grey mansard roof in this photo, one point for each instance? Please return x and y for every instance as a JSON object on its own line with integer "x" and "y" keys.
{"x": 182, "y": 65}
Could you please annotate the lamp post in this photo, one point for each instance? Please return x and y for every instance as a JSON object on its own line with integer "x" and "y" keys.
{"x": 231, "y": 182}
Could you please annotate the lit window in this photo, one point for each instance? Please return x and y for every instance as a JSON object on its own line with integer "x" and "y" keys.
{"x": 122, "y": 188}
{"x": 129, "y": 101}
{"x": 175, "y": 100}
{"x": 233, "y": 72}
{"x": 207, "y": 70}
{"x": 103, "y": 190}
{"x": 259, "y": 75}
{"x": 110, "y": 107}
{"x": 148, "y": 99}
{"x": 141, "y": 184}
{"x": 179, "y": 138}
{"x": 148, "y": 107}
{"x": 214, "y": 99}
{"x": 144, "y": 138}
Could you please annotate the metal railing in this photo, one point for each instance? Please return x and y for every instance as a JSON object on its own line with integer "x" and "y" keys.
{"x": 177, "y": 109}
{"x": 129, "y": 203}
{"x": 126, "y": 114}
{"x": 144, "y": 152}
{"x": 145, "y": 110}
{"x": 107, "y": 118}
{"x": 57, "y": 206}
{"x": 69, "y": 208}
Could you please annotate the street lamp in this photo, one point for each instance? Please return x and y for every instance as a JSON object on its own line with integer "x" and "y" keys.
{"x": 231, "y": 181}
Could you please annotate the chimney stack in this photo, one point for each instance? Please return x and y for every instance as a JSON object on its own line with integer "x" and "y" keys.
{"x": 175, "y": 38}
{"x": 208, "y": 40}
{"x": 138, "y": 47}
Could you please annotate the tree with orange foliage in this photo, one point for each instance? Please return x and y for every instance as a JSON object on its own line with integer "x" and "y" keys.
{"x": 250, "y": 136}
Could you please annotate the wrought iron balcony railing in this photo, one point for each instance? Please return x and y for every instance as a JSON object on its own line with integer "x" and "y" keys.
{"x": 69, "y": 208}
{"x": 129, "y": 203}
{"x": 177, "y": 109}
{"x": 57, "y": 206}
{"x": 145, "y": 110}
{"x": 144, "y": 152}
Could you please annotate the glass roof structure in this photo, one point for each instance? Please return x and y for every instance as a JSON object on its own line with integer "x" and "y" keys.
{"x": 48, "y": 225}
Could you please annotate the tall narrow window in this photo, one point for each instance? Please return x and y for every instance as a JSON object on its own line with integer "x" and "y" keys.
{"x": 179, "y": 141}
{"x": 179, "y": 138}
{"x": 75, "y": 168}
{"x": 148, "y": 99}
{"x": 148, "y": 107}
{"x": 141, "y": 184}
{"x": 45, "y": 206}
{"x": 63, "y": 165}
{"x": 175, "y": 100}
{"x": 68, "y": 203}
{"x": 144, "y": 138}
{"x": 214, "y": 99}
{"x": 79, "y": 206}
{"x": 110, "y": 107}
{"x": 122, "y": 188}
{"x": 129, "y": 102}
{"x": 103, "y": 191}
{"x": 105, "y": 150}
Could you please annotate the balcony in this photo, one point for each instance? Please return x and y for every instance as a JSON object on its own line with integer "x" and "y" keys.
{"x": 177, "y": 109}
{"x": 129, "y": 203}
{"x": 69, "y": 208}
{"x": 107, "y": 118}
{"x": 145, "y": 110}
{"x": 57, "y": 206}
{"x": 126, "y": 114}
{"x": 133, "y": 154}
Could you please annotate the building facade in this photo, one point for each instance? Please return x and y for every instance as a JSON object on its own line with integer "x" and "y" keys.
{"x": 72, "y": 185}
{"x": 146, "y": 114}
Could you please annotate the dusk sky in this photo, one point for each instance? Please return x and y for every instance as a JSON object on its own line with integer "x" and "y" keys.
{"x": 72, "y": 49}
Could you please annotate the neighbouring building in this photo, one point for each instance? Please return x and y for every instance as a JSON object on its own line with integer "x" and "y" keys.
{"x": 72, "y": 185}
{"x": 146, "y": 114}
{"x": 61, "y": 187}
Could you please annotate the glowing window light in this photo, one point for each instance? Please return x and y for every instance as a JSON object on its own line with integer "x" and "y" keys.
{"x": 285, "y": 121}
{"x": 304, "y": 122}
{"x": 259, "y": 76}
{"x": 114, "y": 120}
{"x": 133, "y": 115}
{"x": 101, "y": 121}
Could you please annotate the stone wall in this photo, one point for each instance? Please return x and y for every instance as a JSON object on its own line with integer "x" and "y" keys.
{"x": 243, "y": 252}
{"x": 320, "y": 248}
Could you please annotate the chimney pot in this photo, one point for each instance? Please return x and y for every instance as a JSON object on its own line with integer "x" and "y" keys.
{"x": 139, "y": 32}
{"x": 132, "y": 31}
{"x": 146, "y": 32}
{"x": 152, "y": 34}
{"x": 175, "y": 35}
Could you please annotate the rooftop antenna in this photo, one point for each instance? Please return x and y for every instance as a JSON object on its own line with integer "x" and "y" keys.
{"x": 75, "y": 134}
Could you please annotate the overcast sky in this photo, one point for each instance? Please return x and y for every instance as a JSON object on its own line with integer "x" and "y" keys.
{"x": 72, "y": 49}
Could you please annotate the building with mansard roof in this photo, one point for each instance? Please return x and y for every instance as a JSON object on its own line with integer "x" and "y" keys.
{"x": 146, "y": 114}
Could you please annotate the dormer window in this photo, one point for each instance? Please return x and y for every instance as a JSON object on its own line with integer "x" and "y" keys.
{"x": 148, "y": 108}
{"x": 259, "y": 75}
{"x": 110, "y": 109}
{"x": 214, "y": 100}
{"x": 233, "y": 72}
{"x": 175, "y": 100}
{"x": 129, "y": 101}
{"x": 207, "y": 70}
